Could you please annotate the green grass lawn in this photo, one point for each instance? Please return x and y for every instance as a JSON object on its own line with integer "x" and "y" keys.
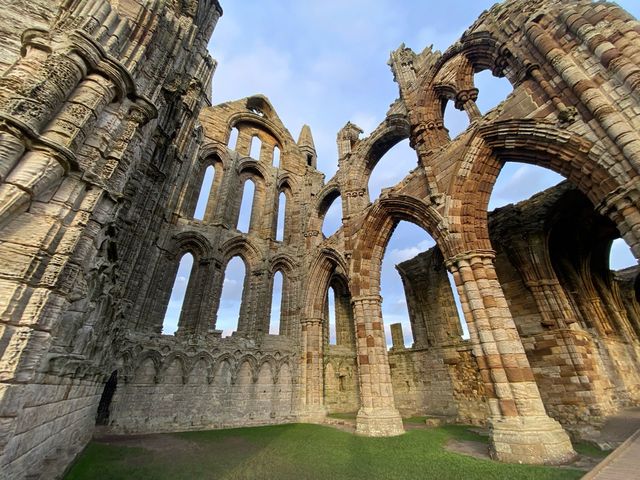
{"x": 298, "y": 451}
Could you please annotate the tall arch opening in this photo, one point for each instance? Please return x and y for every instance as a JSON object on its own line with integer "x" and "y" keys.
{"x": 419, "y": 307}
{"x": 396, "y": 163}
{"x": 277, "y": 297}
{"x": 233, "y": 139}
{"x": 205, "y": 192}
{"x": 276, "y": 157}
{"x": 178, "y": 293}
{"x": 331, "y": 315}
{"x": 246, "y": 205}
{"x": 331, "y": 214}
{"x": 256, "y": 147}
{"x": 232, "y": 296}
{"x": 282, "y": 217}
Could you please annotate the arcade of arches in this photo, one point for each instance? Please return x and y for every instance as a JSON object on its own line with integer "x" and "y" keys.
{"x": 106, "y": 135}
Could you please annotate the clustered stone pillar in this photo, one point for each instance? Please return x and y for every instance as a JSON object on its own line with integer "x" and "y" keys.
{"x": 521, "y": 431}
{"x": 313, "y": 409}
{"x": 378, "y": 416}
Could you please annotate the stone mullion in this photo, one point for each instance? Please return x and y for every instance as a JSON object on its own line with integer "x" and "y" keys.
{"x": 232, "y": 190}
{"x": 263, "y": 302}
{"x": 258, "y": 220}
{"x": 211, "y": 211}
{"x": 217, "y": 281}
{"x": 247, "y": 317}
{"x": 521, "y": 428}
{"x": 287, "y": 304}
{"x": 378, "y": 415}
{"x": 195, "y": 317}
{"x": 313, "y": 370}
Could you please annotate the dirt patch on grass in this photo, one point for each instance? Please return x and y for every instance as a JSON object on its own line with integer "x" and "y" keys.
{"x": 174, "y": 448}
{"x": 468, "y": 447}
{"x": 158, "y": 442}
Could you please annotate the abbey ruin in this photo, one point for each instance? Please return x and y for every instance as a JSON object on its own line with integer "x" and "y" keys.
{"x": 106, "y": 130}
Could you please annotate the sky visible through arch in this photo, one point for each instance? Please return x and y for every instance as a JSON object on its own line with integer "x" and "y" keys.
{"x": 325, "y": 63}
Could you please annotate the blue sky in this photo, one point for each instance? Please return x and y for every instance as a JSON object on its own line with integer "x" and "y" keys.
{"x": 325, "y": 63}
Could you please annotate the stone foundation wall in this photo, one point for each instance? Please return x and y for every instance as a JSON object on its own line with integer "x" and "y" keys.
{"x": 172, "y": 385}
{"x": 440, "y": 381}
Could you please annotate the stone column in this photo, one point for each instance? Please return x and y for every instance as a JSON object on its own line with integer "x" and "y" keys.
{"x": 397, "y": 337}
{"x": 466, "y": 100}
{"x": 521, "y": 431}
{"x": 378, "y": 416}
{"x": 313, "y": 409}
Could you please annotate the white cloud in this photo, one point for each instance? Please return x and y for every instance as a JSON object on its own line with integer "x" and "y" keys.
{"x": 262, "y": 69}
{"x": 518, "y": 182}
{"x": 400, "y": 255}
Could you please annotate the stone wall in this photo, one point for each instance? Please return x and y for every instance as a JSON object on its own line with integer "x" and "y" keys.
{"x": 170, "y": 385}
{"x": 438, "y": 381}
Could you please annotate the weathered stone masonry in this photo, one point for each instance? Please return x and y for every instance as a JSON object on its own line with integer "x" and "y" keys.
{"x": 105, "y": 135}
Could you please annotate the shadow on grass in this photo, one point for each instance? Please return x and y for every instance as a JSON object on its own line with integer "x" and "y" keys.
{"x": 299, "y": 451}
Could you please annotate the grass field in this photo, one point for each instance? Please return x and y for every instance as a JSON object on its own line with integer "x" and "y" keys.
{"x": 297, "y": 451}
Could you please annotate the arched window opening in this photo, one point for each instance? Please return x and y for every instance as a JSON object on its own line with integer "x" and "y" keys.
{"x": 205, "y": 192}
{"x": 233, "y": 139}
{"x": 456, "y": 121}
{"x": 391, "y": 168}
{"x": 339, "y": 327}
{"x": 231, "y": 297}
{"x": 309, "y": 160}
{"x": 178, "y": 292}
{"x": 276, "y": 303}
{"x": 276, "y": 157}
{"x": 620, "y": 256}
{"x": 256, "y": 147}
{"x": 491, "y": 90}
{"x": 246, "y": 206}
{"x": 520, "y": 181}
{"x": 333, "y": 217}
{"x": 331, "y": 315}
{"x": 282, "y": 208}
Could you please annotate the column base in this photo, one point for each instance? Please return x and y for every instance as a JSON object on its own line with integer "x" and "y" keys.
{"x": 535, "y": 440}
{"x": 312, "y": 414}
{"x": 377, "y": 422}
